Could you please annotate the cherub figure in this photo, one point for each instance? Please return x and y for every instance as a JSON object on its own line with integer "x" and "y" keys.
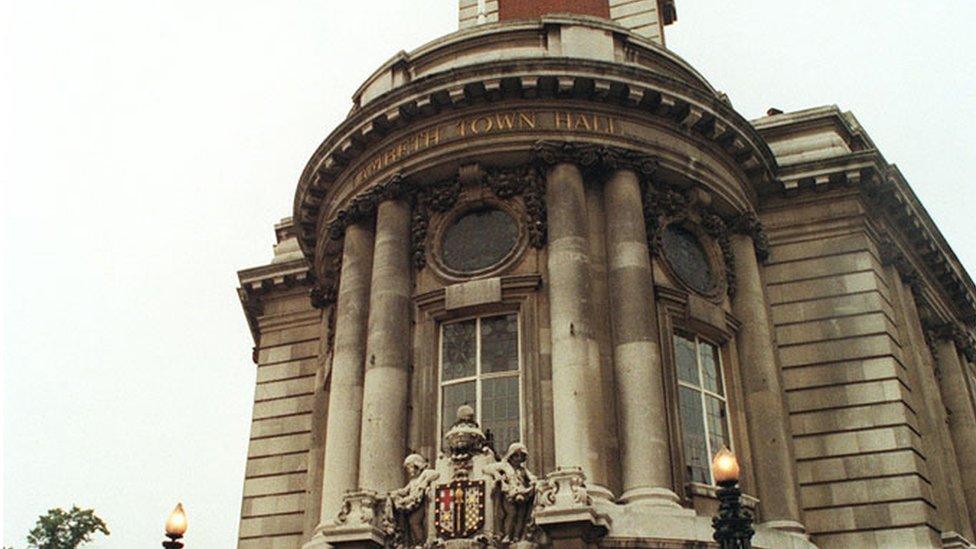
{"x": 514, "y": 492}
{"x": 409, "y": 508}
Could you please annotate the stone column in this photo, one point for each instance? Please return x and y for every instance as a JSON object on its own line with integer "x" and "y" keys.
{"x": 575, "y": 356}
{"x": 645, "y": 457}
{"x": 341, "y": 462}
{"x": 386, "y": 389}
{"x": 936, "y": 442}
{"x": 962, "y": 421}
{"x": 765, "y": 404}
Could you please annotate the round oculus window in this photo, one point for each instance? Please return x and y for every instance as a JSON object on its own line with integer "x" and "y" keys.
{"x": 687, "y": 258}
{"x": 478, "y": 239}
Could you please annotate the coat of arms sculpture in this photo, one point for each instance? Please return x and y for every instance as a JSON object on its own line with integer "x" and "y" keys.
{"x": 470, "y": 498}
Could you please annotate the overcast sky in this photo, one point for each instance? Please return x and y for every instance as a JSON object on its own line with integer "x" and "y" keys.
{"x": 149, "y": 147}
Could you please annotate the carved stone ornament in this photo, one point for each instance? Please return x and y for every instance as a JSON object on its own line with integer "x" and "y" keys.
{"x": 406, "y": 511}
{"x": 749, "y": 224}
{"x": 525, "y": 182}
{"x": 665, "y": 205}
{"x": 360, "y": 521}
{"x": 438, "y": 197}
{"x": 514, "y": 495}
{"x": 891, "y": 254}
{"x": 952, "y": 331}
{"x": 565, "y": 503}
{"x": 464, "y": 440}
{"x": 604, "y": 159}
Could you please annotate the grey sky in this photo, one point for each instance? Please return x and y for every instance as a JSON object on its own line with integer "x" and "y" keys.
{"x": 149, "y": 147}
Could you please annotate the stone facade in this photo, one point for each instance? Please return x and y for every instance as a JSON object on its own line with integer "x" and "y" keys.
{"x": 537, "y": 218}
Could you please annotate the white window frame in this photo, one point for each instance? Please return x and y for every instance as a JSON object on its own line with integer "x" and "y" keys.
{"x": 702, "y": 393}
{"x": 478, "y": 377}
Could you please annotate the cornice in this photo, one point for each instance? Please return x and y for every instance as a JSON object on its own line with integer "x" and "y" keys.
{"x": 892, "y": 200}
{"x": 891, "y": 203}
{"x": 259, "y": 281}
{"x": 685, "y": 108}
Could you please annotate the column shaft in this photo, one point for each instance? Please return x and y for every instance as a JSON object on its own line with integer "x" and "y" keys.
{"x": 341, "y": 462}
{"x": 641, "y": 409}
{"x": 962, "y": 423}
{"x": 575, "y": 361}
{"x": 385, "y": 393}
{"x": 930, "y": 411}
{"x": 769, "y": 434}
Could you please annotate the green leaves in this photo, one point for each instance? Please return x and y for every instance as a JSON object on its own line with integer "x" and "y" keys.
{"x": 60, "y": 529}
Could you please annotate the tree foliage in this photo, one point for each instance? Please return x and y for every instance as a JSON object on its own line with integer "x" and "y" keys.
{"x": 60, "y": 529}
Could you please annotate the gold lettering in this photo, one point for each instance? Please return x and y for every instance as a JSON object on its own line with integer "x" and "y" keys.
{"x": 460, "y": 127}
{"x": 560, "y": 120}
{"x": 505, "y": 121}
{"x": 525, "y": 121}
{"x": 435, "y": 139}
{"x": 610, "y": 124}
{"x": 581, "y": 121}
{"x": 487, "y": 122}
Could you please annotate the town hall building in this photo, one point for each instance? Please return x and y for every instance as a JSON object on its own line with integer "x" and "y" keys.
{"x": 544, "y": 271}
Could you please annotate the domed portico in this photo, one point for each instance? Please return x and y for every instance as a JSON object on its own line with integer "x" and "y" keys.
{"x": 555, "y": 223}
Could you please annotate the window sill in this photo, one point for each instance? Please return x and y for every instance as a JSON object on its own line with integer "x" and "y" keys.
{"x": 699, "y": 491}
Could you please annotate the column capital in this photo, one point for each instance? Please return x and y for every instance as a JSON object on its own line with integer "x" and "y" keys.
{"x": 748, "y": 223}
{"x": 954, "y": 332}
{"x": 593, "y": 157}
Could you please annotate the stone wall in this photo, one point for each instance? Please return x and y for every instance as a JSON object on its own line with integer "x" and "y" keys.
{"x": 853, "y": 401}
{"x": 280, "y": 485}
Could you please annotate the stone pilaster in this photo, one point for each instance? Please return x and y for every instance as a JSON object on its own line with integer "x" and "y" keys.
{"x": 936, "y": 442}
{"x": 575, "y": 353}
{"x": 641, "y": 409}
{"x": 341, "y": 461}
{"x": 386, "y": 382}
{"x": 765, "y": 404}
{"x": 962, "y": 421}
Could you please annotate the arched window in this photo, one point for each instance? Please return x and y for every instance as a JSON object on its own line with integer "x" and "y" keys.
{"x": 480, "y": 366}
{"x": 702, "y": 404}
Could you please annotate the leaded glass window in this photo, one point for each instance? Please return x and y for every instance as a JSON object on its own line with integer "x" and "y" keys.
{"x": 702, "y": 405}
{"x": 478, "y": 240}
{"x": 480, "y": 367}
{"x": 687, "y": 258}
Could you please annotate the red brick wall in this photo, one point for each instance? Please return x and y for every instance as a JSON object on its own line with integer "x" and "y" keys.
{"x": 528, "y": 9}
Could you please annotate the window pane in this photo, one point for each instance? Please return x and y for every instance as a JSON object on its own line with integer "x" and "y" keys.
{"x": 711, "y": 376}
{"x": 684, "y": 359}
{"x": 479, "y": 239}
{"x": 458, "y": 348}
{"x": 500, "y": 410}
{"x": 718, "y": 433}
{"x": 499, "y": 344}
{"x": 453, "y": 397}
{"x": 685, "y": 254}
{"x": 693, "y": 435}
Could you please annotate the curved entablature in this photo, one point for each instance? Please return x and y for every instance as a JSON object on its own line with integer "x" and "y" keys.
{"x": 671, "y": 194}
{"x": 504, "y": 105}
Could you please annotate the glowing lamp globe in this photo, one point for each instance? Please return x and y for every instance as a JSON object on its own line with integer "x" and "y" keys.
{"x": 725, "y": 467}
{"x": 176, "y": 523}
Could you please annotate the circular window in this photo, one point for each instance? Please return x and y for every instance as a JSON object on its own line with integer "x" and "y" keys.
{"x": 687, "y": 257}
{"x": 478, "y": 239}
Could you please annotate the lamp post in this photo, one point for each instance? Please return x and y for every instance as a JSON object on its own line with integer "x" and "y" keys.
{"x": 175, "y": 528}
{"x": 733, "y": 525}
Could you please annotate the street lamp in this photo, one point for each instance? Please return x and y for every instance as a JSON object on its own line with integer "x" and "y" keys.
{"x": 733, "y": 525}
{"x": 175, "y": 528}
